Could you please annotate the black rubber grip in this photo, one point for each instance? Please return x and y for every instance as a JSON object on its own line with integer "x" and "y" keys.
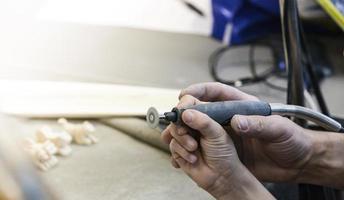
{"x": 222, "y": 112}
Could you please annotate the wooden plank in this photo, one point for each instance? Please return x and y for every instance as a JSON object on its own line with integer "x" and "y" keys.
{"x": 138, "y": 129}
{"x": 81, "y": 100}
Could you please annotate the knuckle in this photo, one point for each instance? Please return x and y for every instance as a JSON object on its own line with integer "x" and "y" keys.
{"x": 182, "y": 131}
{"x": 260, "y": 125}
{"x": 175, "y": 156}
{"x": 175, "y": 147}
{"x": 168, "y": 128}
{"x": 173, "y": 133}
{"x": 172, "y": 145}
{"x": 186, "y": 100}
{"x": 172, "y": 128}
{"x": 183, "y": 140}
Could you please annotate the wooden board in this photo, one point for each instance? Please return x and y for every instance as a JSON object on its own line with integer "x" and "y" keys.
{"x": 118, "y": 167}
{"x": 138, "y": 129}
{"x": 81, "y": 100}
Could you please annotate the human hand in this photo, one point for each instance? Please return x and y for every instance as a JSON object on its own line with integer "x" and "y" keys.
{"x": 273, "y": 148}
{"x": 214, "y": 164}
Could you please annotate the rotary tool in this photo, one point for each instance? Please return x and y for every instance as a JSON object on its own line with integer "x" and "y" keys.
{"x": 223, "y": 111}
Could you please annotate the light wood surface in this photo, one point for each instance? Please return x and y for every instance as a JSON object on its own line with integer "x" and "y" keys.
{"x": 118, "y": 167}
{"x": 81, "y": 100}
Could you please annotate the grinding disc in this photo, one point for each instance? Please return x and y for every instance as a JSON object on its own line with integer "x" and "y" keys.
{"x": 152, "y": 117}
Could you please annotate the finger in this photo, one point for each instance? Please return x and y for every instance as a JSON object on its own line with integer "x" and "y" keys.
{"x": 166, "y": 136}
{"x": 187, "y": 101}
{"x": 214, "y": 91}
{"x": 178, "y": 160}
{"x": 176, "y": 148}
{"x": 185, "y": 140}
{"x": 193, "y": 169}
{"x": 182, "y": 130}
{"x": 174, "y": 163}
{"x": 182, "y": 163}
{"x": 269, "y": 128}
{"x": 202, "y": 123}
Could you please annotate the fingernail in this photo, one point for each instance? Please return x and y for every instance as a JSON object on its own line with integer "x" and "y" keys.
{"x": 187, "y": 116}
{"x": 192, "y": 158}
{"x": 242, "y": 123}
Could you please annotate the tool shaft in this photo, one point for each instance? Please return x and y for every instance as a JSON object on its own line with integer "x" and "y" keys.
{"x": 222, "y": 112}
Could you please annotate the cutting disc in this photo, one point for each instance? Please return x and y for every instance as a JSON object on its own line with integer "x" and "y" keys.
{"x": 152, "y": 117}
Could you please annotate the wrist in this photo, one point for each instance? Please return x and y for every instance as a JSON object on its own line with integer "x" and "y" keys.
{"x": 325, "y": 166}
{"x": 240, "y": 184}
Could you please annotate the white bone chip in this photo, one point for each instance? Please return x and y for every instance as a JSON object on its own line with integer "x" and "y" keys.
{"x": 60, "y": 139}
{"x": 81, "y": 133}
{"x": 42, "y": 154}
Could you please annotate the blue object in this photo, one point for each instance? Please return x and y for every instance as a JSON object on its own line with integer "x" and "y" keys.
{"x": 248, "y": 19}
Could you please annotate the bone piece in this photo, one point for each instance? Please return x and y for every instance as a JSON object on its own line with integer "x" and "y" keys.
{"x": 60, "y": 139}
{"x": 42, "y": 154}
{"x": 81, "y": 133}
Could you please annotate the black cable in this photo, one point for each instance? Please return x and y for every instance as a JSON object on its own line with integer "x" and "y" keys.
{"x": 213, "y": 65}
{"x": 293, "y": 52}
{"x": 313, "y": 78}
{"x": 255, "y": 78}
{"x": 252, "y": 63}
{"x": 275, "y": 87}
{"x": 271, "y": 71}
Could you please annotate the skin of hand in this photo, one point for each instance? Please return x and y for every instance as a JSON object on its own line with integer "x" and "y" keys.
{"x": 273, "y": 148}
{"x": 212, "y": 162}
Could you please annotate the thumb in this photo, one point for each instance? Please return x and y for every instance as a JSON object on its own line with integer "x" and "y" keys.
{"x": 202, "y": 123}
{"x": 269, "y": 128}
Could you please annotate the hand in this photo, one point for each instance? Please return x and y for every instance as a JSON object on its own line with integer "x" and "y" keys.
{"x": 273, "y": 148}
{"x": 214, "y": 165}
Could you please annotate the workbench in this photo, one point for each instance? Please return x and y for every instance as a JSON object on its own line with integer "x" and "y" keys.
{"x": 118, "y": 167}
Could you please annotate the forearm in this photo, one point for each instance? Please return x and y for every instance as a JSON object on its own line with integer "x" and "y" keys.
{"x": 326, "y": 165}
{"x": 242, "y": 185}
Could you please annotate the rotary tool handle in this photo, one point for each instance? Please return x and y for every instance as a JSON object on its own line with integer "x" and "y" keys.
{"x": 222, "y": 112}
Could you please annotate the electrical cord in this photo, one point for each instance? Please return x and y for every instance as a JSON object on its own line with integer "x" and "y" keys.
{"x": 215, "y": 57}
{"x": 270, "y": 72}
{"x": 307, "y": 114}
{"x": 275, "y": 87}
{"x": 313, "y": 78}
